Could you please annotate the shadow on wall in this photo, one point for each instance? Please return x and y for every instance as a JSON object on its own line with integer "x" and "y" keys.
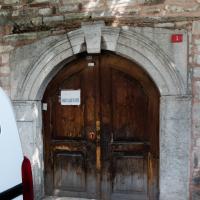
{"x": 63, "y": 10}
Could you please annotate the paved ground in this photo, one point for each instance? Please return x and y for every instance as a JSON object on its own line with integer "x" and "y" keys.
{"x": 65, "y": 198}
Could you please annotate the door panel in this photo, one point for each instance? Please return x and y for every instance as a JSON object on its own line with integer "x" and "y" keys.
{"x": 126, "y": 100}
{"x": 129, "y": 174}
{"x": 70, "y": 158}
{"x": 106, "y": 148}
{"x": 69, "y": 171}
{"x": 129, "y": 105}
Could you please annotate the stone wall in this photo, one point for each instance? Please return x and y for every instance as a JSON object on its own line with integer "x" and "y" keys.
{"x": 23, "y": 22}
{"x": 194, "y": 60}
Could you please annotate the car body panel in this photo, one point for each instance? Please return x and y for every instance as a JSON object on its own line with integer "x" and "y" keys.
{"x": 11, "y": 155}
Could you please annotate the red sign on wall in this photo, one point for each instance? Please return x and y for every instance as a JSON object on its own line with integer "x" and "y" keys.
{"x": 175, "y": 38}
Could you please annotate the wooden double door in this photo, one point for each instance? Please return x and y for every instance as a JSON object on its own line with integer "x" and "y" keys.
{"x": 107, "y": 147}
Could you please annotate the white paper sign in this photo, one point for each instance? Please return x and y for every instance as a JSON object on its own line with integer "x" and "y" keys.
{"x": 70, "y": 97}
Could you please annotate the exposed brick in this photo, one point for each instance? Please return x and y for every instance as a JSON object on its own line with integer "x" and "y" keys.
{"x": 40, "y": 4}
{"x": 6, "y": 7}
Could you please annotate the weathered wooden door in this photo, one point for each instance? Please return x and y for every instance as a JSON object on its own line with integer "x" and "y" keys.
{"x": 107, "y": 147}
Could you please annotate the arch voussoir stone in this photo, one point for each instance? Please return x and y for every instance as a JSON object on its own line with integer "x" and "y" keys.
{"x": 123, "y": 42}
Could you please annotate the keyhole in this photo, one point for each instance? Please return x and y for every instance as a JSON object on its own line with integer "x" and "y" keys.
{"x": 91, "y": 135}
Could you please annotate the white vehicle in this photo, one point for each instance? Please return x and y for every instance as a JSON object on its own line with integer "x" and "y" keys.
{"x": 15, "y": 169}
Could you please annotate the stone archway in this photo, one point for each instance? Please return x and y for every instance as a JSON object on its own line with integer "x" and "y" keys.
{"x": 174, "y": 108}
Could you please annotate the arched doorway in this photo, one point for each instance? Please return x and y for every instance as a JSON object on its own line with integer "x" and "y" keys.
{"x": 108, "y": 146}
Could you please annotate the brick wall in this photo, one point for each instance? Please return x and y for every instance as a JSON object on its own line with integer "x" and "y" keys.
{"x": 25, "y": 21}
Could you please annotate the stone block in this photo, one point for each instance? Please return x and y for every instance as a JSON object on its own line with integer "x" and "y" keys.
{"x": 4, "y": 13}
{"x": 45, "y": 11}
{"x": 4, "y": 69}
{"x": 74, "y": 16}
{"x": 92, "y": 33}
{"x": 27, "y": 137}
{"x": 5, "y": 48}
{"x": 197, "y": 142}
{"x": 77, "y": 41}
{"x": 37, "y": 21}
{"x": 25, "y": 112}
{"x": 110, "y": 38}
{"x": 176, "y": 107}
{"x": 196, "y": 59}
{"x": 196, "y": 90}
{"x": 196, "y": 129}
{"x": 68, "y": 8}
{"x": 196, "y": 72}
{"x": 41, "y": 1}
{"x": 196, "y": 195}
{"x": 196, "y": 164}
{"x": 5, "y": 58}
{"x": 31, "y": 137}
{"x": 196, "y": 119}
{"x": 15, "y": 13}
{"x": 52, "y": 19}
{"x": 11, "y": 1}
{"x": 196, "y": 28}
{"x": 175, "y": 144}
{"x": 5, "y": 80}
{"x": 164, "y": 25}
{"x": 177, "y": 52}
{"x": 197, "y": 41}
{"x": 22, "y": 36}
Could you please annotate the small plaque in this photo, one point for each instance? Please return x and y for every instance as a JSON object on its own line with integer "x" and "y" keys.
{"x": 44, "y": 106}
{"x": 71, "y": 97}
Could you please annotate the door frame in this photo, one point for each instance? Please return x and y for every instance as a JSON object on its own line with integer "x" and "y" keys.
{"x": 143, "y": 83}
{"x": 175, "y": 102}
